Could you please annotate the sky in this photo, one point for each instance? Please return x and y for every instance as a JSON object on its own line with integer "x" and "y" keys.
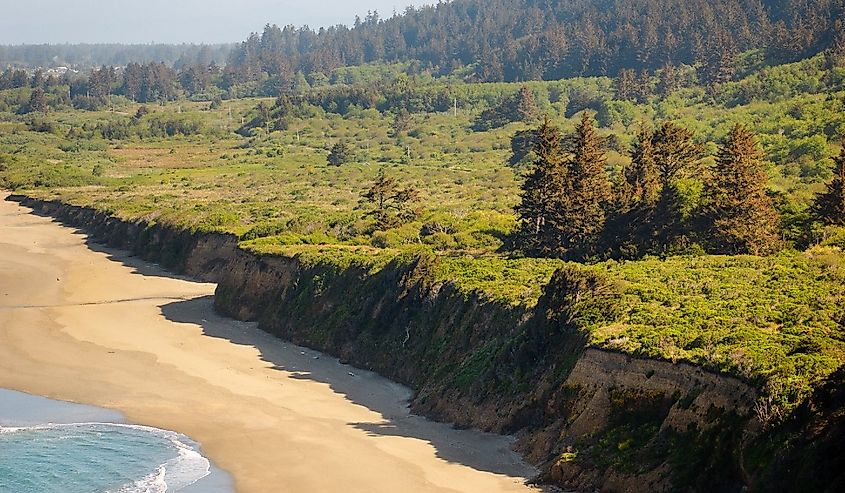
{"x": 172, "y": 21}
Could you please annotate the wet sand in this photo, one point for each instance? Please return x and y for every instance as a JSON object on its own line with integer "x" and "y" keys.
{"x": 86, "y": 324}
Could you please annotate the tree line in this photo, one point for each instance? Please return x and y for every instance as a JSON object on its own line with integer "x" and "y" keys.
{"x": 86, "y": 57}
{"x": 518, "y": 40}
{"x": 570, "y": 208}
{"x": 143, "y": 83}
{"x": 499, "y": 40}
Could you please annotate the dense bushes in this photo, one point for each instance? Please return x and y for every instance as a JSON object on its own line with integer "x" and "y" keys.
{"x": 151, "y": 126}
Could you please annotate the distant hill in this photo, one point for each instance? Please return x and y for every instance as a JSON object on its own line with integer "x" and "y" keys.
{"x": 491, "y": 41}
{"x": 84, "y": 57}
{"x": 511, "y": 40}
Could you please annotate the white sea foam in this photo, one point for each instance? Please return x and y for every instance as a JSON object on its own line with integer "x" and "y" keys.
{"x": 152, "y": 483}
{"x": 188, "y": 467}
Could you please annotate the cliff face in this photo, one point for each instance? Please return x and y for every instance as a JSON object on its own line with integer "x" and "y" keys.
{"x": 200, "y": 255}
{"x": 591, "y": 419}
{"x": 805, "y": 452}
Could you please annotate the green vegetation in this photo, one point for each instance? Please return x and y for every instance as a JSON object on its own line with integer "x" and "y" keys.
{"x": 776, "y": 321}
{"x": 420, "y": 178}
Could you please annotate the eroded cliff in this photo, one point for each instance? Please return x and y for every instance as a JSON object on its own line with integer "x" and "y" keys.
{"x": 592, "y": 419}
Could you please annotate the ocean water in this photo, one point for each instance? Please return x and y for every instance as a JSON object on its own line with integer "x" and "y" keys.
{"x": 97, "y": 457}
{"x": 79, "y": 453}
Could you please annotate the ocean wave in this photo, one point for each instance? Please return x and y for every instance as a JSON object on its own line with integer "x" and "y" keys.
{"x": 152, "y": 483}
{"x": 188, "y": 467}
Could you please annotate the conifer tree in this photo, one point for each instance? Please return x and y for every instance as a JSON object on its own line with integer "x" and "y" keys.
{"x": 590, "y": 190}
{"x": 526, "y": 107}
{"x": 643, "y": 89}
{"x": 742, "y": 217}
{"x": 392, "y": 205}
{"x": 543, "y": 196}
{"x": 523, "y": 143}
{"x": 642, "y": 176}
{"x": 668, "y": 82}
{"x": 381, "y": 192}
{"x": 631, "y": 229}
{"x": 675, "y": 152}
{"x": 401, "y": 122}
{"x": 340, "y": 154}
{"x": 830, "y": 205}
{"x": 651, "y": 214}
{"x": 625, "y": 84}
{"x": 676, "y": 156}
{"x": 37, "y": 101}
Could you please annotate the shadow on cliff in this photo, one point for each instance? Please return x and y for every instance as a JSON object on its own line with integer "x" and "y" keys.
{"x": 122, "y": 247}
{"x": 480, "y": 451}
{"x": 137, "y": 264}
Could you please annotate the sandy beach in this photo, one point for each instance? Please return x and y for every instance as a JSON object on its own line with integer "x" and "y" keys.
{"x": 86, "y": 324}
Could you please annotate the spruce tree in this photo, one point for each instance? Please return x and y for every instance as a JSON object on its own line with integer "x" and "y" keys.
{"x": 523, "y": 143}
{"x": 37, "y": 101}
{"x": 668, "y": 82}
{"x": 675, "y": 152}
{"x": 643, "y": 89}
{"x": 742, "y": 217}
{"x": 631, "y": 229}
{"x": 589, "y": 195}
{"x": 526, "y": 107}
{"x": 676, "y": 156}
{"x": 543, "y": 196}
{"x": 341, "y": 153}
{"x": 642, "y": 176}
{"x": 625, "y": 84}
{"x": 830, "y": 205}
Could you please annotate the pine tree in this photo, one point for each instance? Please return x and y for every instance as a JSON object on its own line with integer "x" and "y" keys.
{"x": 340, "y": 154}
{"x": 392, "y": 205}
{"x": 526, "y": 107}
{"x": 543, "y": 196}
{"x": 625, "y": 84}
{"x": 642, "y": 176}
{"x": 583, "y": 222}
{"x": 676, "y": 156}
{"x": 741, "y": 215}
{"x": 37, "y": 101}
{"x": 830, "y": 205}
{"x": 381, "y": 196}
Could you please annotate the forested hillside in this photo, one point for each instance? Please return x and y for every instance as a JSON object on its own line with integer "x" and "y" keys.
{"x": 549, "y": 39}
{"x": 497, "y": 40}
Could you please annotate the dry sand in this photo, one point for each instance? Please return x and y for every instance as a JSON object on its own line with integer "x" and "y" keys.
{"x": 86, "y": 324}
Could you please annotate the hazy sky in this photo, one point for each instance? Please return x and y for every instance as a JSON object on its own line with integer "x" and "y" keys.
{"x": 172, "y": 21}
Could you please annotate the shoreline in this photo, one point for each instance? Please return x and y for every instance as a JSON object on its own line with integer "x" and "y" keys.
{"x": 19, "y": 409}
{"x": 99, "y": 327}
